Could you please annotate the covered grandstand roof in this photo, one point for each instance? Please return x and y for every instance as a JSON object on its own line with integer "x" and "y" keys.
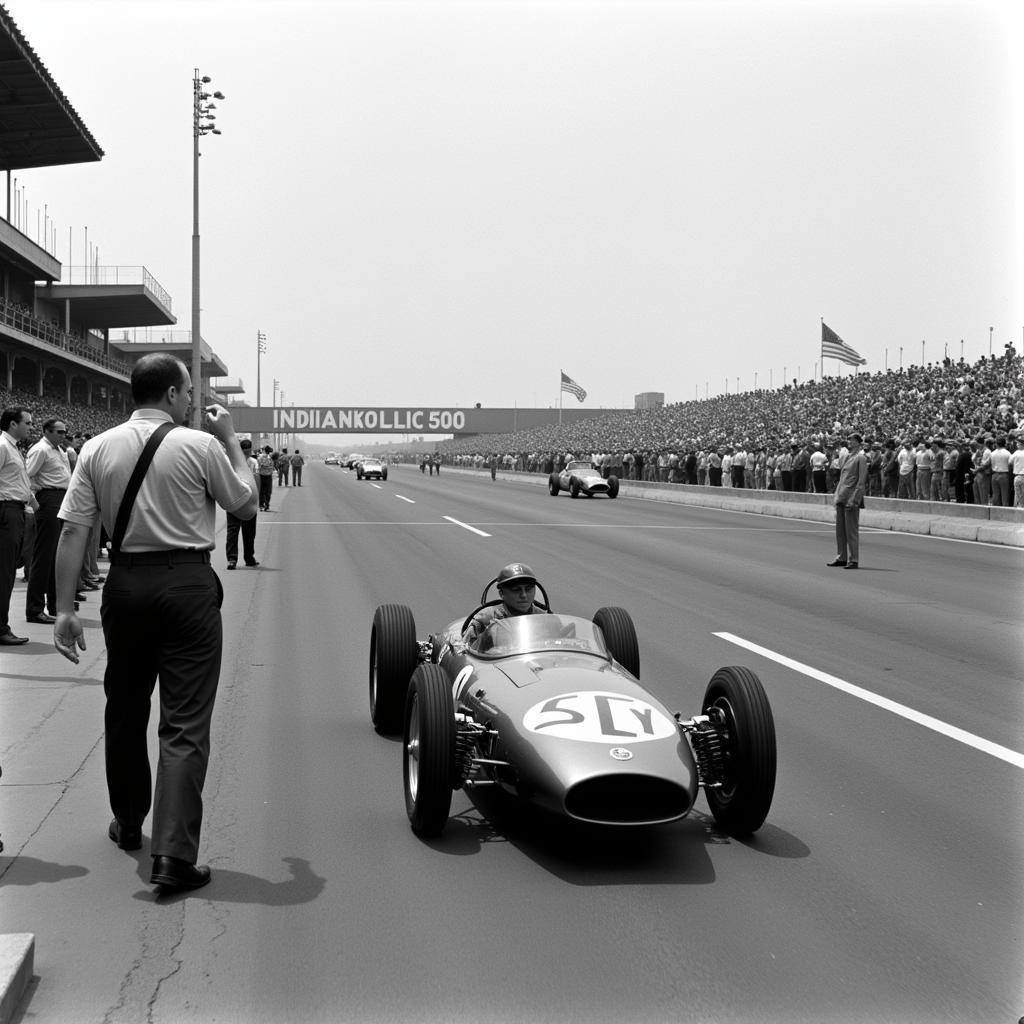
{"x": 38, "y": 126}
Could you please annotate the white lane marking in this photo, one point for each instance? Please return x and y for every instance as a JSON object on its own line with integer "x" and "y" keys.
{"x": 404, "y": 498}
{"x": 378, "y": 486}
{"x": 466, "y": 526}
{"x": 960, "y": 735}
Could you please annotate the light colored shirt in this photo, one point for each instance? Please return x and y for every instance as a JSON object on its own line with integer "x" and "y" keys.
{"x": 47, "y": 466}
{"x": 14, "y": 482}
{"x": 1000, "y": 461}
{"x": 176, "y": 506}
{"x": 1017, "y": 462}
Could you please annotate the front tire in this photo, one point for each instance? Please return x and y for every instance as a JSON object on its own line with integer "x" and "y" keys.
{"x": 384, "y": 475}
{"x": 613, "y": 487}
{"x": 553, "y": 487}
{"x": 620, "y": 637}
{"x": 429, "y": 750}
{"x": 737, "y": 699}
{"x": 394, "y": 655}
{"x": 574, "y": 488}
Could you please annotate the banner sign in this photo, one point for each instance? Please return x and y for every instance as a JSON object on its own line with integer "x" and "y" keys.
{"x": 395, "y": 420}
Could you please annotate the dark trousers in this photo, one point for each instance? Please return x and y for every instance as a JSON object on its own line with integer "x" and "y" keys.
{"x": 818, "y": 478}
{"x": 163, "y": 622}
{"x": 42, "y": 580}
{"x": 248, "y": 528}
{"x": 715, "y": 476}
{"x": 266, "y": 487}
{"x": 296, "y": 476}
{"x": 800, "y": 481}
{"x": 12, "y": 529}
{"x": 282, "y": 475}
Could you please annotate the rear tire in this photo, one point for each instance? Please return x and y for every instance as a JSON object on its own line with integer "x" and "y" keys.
{"x": 394, "y": 656}
{"x": 384, "y": 475}
{"x": 741, "y": 805}
{"x": 620, "y": 637}
{"x": 553, "y": 487}
{"x": 429, "y": 750}
{"x": 613, "y": 487}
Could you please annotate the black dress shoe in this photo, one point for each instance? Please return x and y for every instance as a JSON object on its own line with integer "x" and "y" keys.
{"x": 851, "y": 565}
{"x": 127, "y": 837}
{"x": 252, "y": 563}
{"x": 231, "y": 565}
{"x": 836, "y": 561}
{"x": 172, "y": 873}
{"x": 42, "y": 618}
{"x": 8, "y": 639}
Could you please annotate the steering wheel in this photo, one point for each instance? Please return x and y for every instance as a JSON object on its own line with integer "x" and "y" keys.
{"x": 484, "y": 603}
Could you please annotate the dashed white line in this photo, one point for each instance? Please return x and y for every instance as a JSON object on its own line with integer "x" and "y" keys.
{"x": 466, "y": 526}
{"x": 378, "y": 486}
{"x": 404, "y": 498}
{"x": 935, "y": 724}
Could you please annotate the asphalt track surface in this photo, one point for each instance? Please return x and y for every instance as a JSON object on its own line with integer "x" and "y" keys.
{"x": 885, "y": 885}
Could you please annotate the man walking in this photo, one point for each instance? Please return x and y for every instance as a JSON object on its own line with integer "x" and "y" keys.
{"x": 246, "y": 526}
{"x": 297, "y": 462}
{"x": 282, "y": 468}
{"x": 853, "y": 478}
{"x": 161, "y": 603}
{"x": 49, "y": 473}
{"x": 15, "y": 494}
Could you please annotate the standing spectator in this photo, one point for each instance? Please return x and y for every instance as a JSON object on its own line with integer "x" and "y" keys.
{"x": 1000, "y": 463}
{"x": 949, "y": 467}
{"x": 923, "y": 460}
{"x": 715, "y": 468}
{"x": 739, "y": 466}
{"x": 801, "y": 463}
{"x": 853, "y": 478}
{"x": 15, "y": 494}
{"x": 963, "y": 474}
{"x": 875, "y": 470}
{"x": 1017, "y": 468}
{"x": 297, "y": 462}
{"x": 938, "y": 485}
{"x": 49, "y": 474}
{"x": 750, "y": 467}
{"x": 246, "y": 526}
{"x": 818, "y": 462}
{"x": 785, "y": 465}
{"x": 890, "y": 470}
{"x": 161, "y": 606}
{"x": 982, "y": 472}
{"x": 907, "y": 460}
{"x": 282, "y": 464}
{"x": 265, "y": 469}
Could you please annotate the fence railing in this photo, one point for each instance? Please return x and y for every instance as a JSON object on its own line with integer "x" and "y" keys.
{"x": 19, "y": 319}
{"x": 116, "y": 275}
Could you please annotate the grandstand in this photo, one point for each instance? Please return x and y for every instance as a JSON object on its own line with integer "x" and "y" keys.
{"x": 60, "y": 350}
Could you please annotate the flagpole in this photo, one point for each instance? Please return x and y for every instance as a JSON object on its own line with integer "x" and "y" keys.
{"x": 560, "y": 372}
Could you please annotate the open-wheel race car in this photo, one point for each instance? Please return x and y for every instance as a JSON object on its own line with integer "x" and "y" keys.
{"x": 580, "y": 477}
{"x": 549, "y": 708}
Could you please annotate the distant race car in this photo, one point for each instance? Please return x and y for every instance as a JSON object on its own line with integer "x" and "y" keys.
{"x": 349, "y": 462}
{"x": 580, "y": 477}
{"x": 368, "y": 468}
{"x": 550, "y": 709}
{"x": 331, "y": 460}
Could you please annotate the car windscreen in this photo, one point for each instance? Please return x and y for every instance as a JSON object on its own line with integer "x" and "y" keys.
{"x": 579, "y": 467}
{"x": 523, "y": 634}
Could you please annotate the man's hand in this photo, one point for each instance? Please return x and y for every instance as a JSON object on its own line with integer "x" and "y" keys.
{"x": 68, "y": 635}
{"x": 218, "y": 419}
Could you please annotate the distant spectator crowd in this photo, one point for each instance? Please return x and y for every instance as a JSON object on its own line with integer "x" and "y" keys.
{"x": 938, "y": 425}
{"x": 83, "y": 420}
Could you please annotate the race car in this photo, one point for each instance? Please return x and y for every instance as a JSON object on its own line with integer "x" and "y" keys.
{"x": 350, "y": 461}
{"x": 371, "y": 468}
{"x": 580, "y": 477}
{"x": 550, "y": 708}
{"x": 331, "y": 460}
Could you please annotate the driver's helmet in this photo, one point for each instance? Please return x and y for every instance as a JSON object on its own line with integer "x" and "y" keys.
{"x": 516, "y": 572}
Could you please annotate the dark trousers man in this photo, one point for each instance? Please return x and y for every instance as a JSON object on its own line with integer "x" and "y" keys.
{"x": 161, "y": 621}
{"x": 266, "y": 487}
{"x": 800, "y": 481}
{"x": 282, "y": 473}
{"x": 818, "y": 479}
{"x": 296, "y": 476}
{"x": 248, "y": 528}
{"x": 42, "y": 580}
{"x": 12, "y": 530}
{"x": 848, "y": 532}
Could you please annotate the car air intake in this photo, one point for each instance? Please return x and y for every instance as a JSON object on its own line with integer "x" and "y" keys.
{"x": 626, "y": 800}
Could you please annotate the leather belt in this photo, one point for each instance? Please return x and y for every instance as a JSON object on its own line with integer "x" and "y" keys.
{"x": 172, "y": 556}
{"x": 11, "y": 503}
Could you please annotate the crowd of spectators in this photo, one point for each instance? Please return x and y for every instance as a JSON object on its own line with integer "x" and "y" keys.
{"x": 86, "y": 420}
{"x": 792, "y": 438}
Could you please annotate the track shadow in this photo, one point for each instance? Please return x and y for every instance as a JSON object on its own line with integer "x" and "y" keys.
{"x": 22, "y": 870}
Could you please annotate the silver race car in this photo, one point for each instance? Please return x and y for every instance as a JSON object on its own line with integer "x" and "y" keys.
{"x": 580, "y": 477}
{"x": 368, "y": 468}
{"x": 550, "y": 708}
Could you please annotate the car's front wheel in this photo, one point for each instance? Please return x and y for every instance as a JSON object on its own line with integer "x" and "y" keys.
{"x": 620, "y": 637}
{"x": 553, "y": 487}
{"x": 393, "y": 658}
{"x": 737, "y": 703}
{"x": 613, "y": 487}
{"x": 384, "y": 475}
{"x": 429, "y": 750}
{"x": 574, "y": 488}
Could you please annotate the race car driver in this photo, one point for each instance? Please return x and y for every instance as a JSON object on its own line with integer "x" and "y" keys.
{"x": 517, "y": 587}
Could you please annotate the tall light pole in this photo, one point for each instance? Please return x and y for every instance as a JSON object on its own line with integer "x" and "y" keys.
{"x": 202, "y": 124}
{"x": 277, "y": 387}
{"x": 261, "y": 348}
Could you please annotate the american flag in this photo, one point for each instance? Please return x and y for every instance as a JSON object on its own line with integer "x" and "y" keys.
{"x": 833, "y": 347}
{"x": 568, "y": 384}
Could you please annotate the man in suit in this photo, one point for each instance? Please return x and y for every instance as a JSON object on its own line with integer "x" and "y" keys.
{"x": 853, "y": 480}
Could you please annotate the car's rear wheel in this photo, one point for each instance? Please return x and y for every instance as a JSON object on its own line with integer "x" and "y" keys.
{"x": 736, "y": 700}
{"x": 429, "y": 750}
{"x": 620, "y": 637}
{"x": 613, "y": 487}
{"x": 574, "y": 488}
{"x": 393, "y": 658}
{"x": 553, "y": 487}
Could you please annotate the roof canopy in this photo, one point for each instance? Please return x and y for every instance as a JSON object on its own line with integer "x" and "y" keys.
{"x": 38, "y": 127}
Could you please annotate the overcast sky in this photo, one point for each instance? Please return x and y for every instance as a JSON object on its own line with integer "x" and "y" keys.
{"x": 443, "y": 203}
